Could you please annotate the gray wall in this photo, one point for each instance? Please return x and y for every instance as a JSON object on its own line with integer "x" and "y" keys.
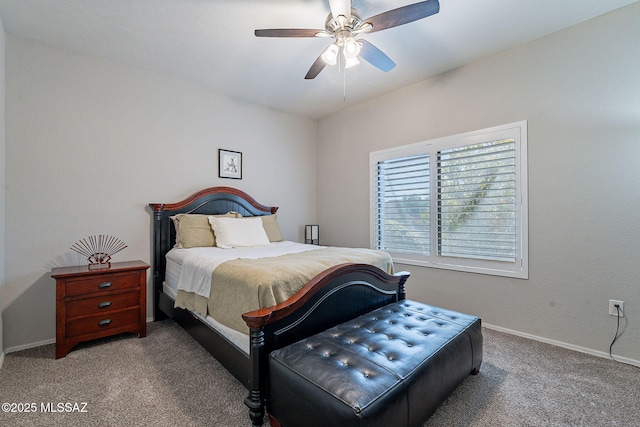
{"x": 90, "y": 143}
{"x": 580, "y": 92}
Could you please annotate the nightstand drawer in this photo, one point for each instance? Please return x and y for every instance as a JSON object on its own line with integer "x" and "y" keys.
{"x": 102, "y": 304}
{"x": 103, "y": 283}
{"x": 103, "y": 322}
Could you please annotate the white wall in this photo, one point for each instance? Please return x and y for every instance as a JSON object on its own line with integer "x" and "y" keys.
{"x": 2, "y": 182}
{"x": 90, "y": 143}
{"x": 580, "y": 92}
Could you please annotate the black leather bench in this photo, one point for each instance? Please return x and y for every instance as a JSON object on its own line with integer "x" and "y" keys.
{"x": 390, "y": 367}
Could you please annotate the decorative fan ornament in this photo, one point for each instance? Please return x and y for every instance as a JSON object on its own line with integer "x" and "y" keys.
{"x": 98, "y": 249}
{"x": 343, "y": 25}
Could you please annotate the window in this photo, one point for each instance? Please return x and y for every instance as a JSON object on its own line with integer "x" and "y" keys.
{"x": 458, "y": 202}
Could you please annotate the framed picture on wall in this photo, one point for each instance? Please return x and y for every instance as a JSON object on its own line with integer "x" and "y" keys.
{"x": 229, "y": 164}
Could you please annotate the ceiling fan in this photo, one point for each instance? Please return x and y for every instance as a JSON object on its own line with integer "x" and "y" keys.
{"x": 343, "y": 25}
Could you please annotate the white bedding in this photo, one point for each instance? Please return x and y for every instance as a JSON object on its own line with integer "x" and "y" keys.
{"x": 190, "y": 269}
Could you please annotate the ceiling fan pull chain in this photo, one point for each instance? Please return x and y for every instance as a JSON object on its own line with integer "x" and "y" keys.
{"x": 344, "y": 85}
{"x": 343, "y": 70}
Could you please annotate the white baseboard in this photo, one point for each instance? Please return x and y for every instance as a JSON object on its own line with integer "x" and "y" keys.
{"x": 564, "y": 345}
{"x": 486, "y": 325}
{"x": 30, "y": 345}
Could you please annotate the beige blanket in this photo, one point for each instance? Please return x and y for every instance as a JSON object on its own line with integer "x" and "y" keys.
{"x": 244, "y": 285}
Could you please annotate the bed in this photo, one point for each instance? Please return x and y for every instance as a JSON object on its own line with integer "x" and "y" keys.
{"x": 339, "y": 292}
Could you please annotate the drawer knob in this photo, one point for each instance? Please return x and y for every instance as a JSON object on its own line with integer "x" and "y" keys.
{"x": 104, "y": 322}
{"x": 104, "y": 285}
{"x": 104, "y": 304}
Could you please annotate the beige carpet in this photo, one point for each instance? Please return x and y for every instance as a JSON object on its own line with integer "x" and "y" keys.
{"x": 167, "y": 379}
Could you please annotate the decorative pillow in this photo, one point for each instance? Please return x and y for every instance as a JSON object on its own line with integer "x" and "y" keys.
{"x": 194, "y": 230}
{"x": 238, "y": 232}
{"x": 270, "y": 224}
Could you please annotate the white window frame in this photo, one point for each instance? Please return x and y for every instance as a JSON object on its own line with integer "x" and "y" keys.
{"x": 516, "y": 131}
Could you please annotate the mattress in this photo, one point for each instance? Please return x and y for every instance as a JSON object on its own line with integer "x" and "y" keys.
{"x": 175, "y": 260}
{"x": 239, "y": 339}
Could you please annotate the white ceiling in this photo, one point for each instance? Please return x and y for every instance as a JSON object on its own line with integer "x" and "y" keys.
{"x": 211, "y": 42}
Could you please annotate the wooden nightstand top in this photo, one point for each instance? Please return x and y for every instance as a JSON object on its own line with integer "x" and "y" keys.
{"x": 82, "y": 270}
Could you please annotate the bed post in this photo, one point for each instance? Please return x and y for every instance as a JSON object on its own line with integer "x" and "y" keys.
{"x": 157, "y": 260}
{"x": 255, "y": 401}
{"x": 404, "y": 276}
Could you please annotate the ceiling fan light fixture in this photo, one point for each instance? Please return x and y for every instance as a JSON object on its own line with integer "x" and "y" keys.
{"x": 330, "y": 54}
{"x": 351, "y": 48}
{"x": 351, "y": 62}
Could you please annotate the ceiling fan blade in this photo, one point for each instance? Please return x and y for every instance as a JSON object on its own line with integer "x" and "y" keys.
{"x": 340, "y": 7}
{"x": 403, "y": 15}
{"x": 375, "y": 56}
{"x": 315, "y": 69}
{"x": 289, "y": 32}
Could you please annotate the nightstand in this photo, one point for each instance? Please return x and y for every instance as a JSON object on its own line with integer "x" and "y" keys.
{"x": 96, "y": 303}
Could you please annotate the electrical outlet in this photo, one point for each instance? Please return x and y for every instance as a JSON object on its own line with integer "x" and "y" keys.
{"x": 613, "y": 311}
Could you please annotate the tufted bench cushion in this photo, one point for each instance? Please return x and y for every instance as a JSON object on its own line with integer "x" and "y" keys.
{"x": 391, "y": 367}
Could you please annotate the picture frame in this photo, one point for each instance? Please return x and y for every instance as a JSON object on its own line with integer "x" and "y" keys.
{"x": 229, "y": 164}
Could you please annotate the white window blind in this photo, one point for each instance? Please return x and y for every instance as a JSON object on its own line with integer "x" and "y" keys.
{"x": 458, "y": 202}
{"x": 403, "y": 205}
{"x": 477, "y": 201}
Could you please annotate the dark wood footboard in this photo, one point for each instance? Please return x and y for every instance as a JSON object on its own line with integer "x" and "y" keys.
{"x": 336, "y": 295}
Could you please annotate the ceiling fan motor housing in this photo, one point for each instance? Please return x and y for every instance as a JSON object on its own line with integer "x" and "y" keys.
{"x": 342, "y": 23}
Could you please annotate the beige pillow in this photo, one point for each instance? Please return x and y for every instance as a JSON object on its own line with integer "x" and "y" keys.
{"x": 271, "y": 227}
{"x": 194, "y": 230}
{"x": 238, "y": 232}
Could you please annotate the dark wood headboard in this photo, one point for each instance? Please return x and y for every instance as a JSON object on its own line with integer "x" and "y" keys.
{"x": 210, "y": 201}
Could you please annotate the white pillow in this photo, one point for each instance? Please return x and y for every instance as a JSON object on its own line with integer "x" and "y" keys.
{"x": 238, "y": 232}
